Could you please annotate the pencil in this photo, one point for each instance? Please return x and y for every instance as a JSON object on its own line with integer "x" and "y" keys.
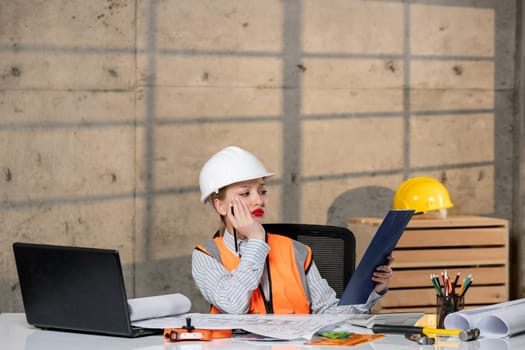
{"x": 456, "y": 280}
{"x": 435, "y": 282}
{"x": 467, "y": 287}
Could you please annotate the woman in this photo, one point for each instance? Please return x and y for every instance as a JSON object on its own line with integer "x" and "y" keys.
{"x": 243, "y": 269}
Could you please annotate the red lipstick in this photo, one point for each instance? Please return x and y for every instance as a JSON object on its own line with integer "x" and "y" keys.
{"x": 258, "y": 212}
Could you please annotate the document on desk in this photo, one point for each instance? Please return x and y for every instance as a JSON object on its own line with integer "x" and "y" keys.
{"x": 494, "y": 321}
{"x": 286, "y": 327}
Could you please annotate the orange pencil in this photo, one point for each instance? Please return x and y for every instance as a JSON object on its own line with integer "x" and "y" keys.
{"x": 461, "y": 288}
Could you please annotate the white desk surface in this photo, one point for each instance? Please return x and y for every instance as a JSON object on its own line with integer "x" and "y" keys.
{"x": 16, "y": 334}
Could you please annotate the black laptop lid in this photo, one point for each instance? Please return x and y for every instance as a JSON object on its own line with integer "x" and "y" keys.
{"x": 73, "y": 288}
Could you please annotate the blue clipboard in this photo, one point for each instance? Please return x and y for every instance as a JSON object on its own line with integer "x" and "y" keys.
{"x": 383, "y": 243}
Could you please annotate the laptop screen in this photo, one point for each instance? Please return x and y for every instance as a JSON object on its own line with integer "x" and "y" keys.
{"x": 73, "y": 288}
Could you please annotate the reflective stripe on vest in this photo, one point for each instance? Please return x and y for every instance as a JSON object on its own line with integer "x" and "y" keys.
{"x": 288, "y": 262}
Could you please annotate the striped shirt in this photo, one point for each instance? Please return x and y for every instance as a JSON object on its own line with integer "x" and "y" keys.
{"x": 231, "y": 291}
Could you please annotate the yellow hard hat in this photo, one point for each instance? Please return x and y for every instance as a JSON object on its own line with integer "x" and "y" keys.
{"x": 422, "y": 194}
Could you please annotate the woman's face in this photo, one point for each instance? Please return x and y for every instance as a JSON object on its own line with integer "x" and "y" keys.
{"x": 252, "y": 193}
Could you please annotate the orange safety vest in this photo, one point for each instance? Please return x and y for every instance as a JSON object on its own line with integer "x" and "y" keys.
{"x": 288, "y": 261}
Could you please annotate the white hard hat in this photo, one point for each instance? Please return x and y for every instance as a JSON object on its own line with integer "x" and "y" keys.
{"x": 228, "y": 166}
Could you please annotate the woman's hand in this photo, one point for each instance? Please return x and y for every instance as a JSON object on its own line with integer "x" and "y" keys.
{"x": 243, "y": 221}
{"x": 382, "y": 275}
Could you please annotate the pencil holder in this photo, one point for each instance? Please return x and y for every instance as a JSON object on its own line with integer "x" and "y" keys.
{"x": 446, "y": 305}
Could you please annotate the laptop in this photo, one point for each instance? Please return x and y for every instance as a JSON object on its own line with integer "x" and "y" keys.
{"x": 74, "y": 289}
{"x": 382, "y": 244}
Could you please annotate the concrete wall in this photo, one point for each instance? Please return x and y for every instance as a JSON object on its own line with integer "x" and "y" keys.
{"x": 108, "y": 109}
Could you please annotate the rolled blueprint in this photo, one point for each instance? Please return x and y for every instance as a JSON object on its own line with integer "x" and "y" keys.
{"x": 158, "y": 306}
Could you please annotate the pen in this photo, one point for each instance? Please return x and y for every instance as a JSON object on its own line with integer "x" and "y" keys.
{"x": 235, "y": 236}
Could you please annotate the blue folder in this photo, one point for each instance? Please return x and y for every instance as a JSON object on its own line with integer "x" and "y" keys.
{"x": 383, "y": 243}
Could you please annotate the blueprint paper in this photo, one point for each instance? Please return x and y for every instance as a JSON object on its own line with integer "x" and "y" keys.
{"x": 285, "y": 327}
{"x": 158, "y": 306}
{"x": 494, "y": 321}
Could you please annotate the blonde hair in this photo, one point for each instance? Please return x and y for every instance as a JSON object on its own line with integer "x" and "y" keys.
{"x": 220, "y": 196}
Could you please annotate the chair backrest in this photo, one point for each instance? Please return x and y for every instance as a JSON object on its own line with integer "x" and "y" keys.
{"x": 333, "y": 249}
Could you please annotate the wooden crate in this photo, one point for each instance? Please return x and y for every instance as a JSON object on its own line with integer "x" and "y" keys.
{"x": 465, "y": 244}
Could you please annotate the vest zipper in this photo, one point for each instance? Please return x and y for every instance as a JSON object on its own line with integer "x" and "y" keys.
{"x": 268, "y": 304}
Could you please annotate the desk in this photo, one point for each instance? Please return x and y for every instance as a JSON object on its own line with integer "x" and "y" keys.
{"x": 15, "y": 334}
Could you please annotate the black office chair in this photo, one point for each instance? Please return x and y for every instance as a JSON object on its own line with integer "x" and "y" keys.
{"x": 333, "y": 249}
